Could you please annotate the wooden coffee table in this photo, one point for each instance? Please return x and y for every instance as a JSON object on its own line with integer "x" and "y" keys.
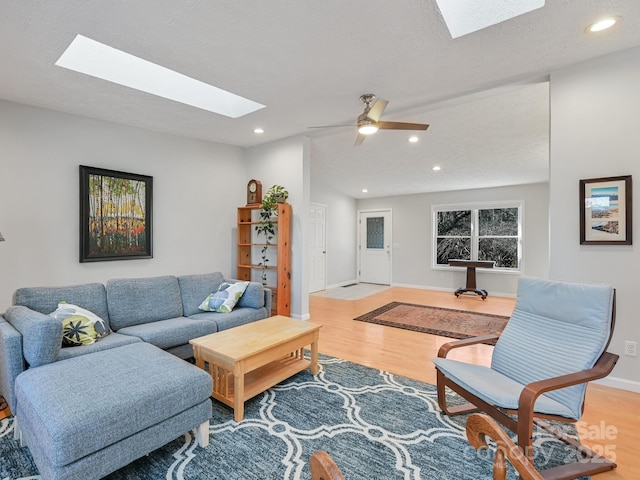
{"x": 246, "y": 360}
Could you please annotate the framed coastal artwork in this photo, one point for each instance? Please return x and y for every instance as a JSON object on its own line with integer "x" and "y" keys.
{"x": 605, "y": 211}
{"x": 115, "y": 215}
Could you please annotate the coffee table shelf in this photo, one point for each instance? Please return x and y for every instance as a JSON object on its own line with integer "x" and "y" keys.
{"x": 260, "y": 379}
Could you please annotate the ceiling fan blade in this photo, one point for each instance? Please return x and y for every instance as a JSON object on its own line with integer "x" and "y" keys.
{"x": 376, "y": 110}
{"x": 402, "y": 126}
{"x": 359, "y": 139}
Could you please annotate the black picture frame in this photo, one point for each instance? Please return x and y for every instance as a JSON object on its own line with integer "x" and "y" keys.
{"x": 606, "y": 211}
{"x": 115, "y": 215}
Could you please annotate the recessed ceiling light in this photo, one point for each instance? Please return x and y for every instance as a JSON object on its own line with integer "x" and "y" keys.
{"x": 413, "y": 138}
{"x": 464, "y": 16}
{"x": 93, "y": 58}
{"x": 364, "y": 190}
{"x": 435, "y": 168}
{"x": 258, "y": 130}
{"x": 602, "y": 24}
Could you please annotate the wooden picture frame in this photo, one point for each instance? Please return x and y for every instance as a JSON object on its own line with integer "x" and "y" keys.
{"x": 605, "y": 211}
{"x": 115, "y": 215}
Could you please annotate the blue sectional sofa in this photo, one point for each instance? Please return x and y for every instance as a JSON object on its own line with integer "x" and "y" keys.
{"x": 162, "y": 311}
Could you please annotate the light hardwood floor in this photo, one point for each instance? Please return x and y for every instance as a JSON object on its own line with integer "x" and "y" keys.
{"x": 611, "y": 419}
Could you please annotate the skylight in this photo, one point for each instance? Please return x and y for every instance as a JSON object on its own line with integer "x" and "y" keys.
{"x": 466, "y": 16}
{"x": 102, "y": 61}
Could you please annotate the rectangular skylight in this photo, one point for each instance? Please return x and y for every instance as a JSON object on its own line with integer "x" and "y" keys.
{"x": 102, "y": 61}
{"x": 466, "y": 16}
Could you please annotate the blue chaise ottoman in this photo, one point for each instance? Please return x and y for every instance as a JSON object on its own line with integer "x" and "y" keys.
{"x": 87, "y": 416}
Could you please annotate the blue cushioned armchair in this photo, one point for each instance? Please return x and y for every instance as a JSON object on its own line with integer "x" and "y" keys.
{"x": 554, "y": 343}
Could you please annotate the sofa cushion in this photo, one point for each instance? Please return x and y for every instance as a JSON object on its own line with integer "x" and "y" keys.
{"x": 79, "y": 326}
{"x": 225, "y": 298}
{"x": 170, "y": 332}
{"x": 113, "y": 340}
{"x": 193, "y": 288}
{"x": 41, "y": 334}
{"x": 239, "y": 316}
{"x": 134, "y": 301}
{"x": 91, "y": 296}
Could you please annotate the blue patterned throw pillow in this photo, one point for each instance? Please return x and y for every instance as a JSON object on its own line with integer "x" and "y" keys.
{"x": 225, "y": 298}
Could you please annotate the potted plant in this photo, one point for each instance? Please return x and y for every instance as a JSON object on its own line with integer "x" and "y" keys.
{"x": 266, "y": 226}
{"x": 277, "y": 194}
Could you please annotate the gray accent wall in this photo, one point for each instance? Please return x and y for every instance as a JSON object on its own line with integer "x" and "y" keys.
{"x": 197, "y": 186}
{"x": 594, "y": 134}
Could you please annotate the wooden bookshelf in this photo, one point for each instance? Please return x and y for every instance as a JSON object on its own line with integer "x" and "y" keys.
{"x": 279, "y": 251}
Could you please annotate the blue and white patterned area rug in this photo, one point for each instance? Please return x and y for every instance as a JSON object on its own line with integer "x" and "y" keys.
{"x": 374, "y": 424}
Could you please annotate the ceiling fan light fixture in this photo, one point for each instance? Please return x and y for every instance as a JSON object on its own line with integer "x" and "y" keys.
{"x": 413, "y": 139}
{"x": 367, "y": 129}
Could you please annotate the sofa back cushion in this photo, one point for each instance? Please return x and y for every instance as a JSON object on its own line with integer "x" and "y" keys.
{"x": 90, "y": 296}
{"x": 195, "y": 288}
{"x": 134, "y": 301}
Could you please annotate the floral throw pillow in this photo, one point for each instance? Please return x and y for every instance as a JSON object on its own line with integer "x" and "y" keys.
{"x": 225, "y": 298}
{"x": 79, "y": 326}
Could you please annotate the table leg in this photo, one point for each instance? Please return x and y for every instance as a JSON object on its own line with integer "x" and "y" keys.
{"x": 238, "y": 396}
{"x": 314, "y": 355}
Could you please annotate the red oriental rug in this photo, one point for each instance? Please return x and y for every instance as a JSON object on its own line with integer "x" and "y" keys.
{"x": 445, "y": 322}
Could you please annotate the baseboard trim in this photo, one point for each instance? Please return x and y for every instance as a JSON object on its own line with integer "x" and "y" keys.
{"x": 442, "y": 289}
{"x": 621, "y": 383}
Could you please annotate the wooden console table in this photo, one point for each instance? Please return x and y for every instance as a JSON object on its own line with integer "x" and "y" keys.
{"x": 471, "y": 266}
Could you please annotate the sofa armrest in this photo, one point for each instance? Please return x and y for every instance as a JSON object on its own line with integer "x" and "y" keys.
{"x": 253, "y": 296}
{"x": 11, "y": 361}
{"x": 268, "y": 300}
{"x": 41, "y": 334}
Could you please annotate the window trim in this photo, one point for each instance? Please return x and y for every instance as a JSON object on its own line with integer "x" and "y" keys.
{"x": 474, "y": 207}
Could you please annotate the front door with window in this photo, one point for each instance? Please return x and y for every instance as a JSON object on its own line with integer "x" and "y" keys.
{"x": 375, "y": 247}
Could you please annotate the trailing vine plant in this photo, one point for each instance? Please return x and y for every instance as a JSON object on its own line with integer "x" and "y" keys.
{"x": 266, "y": 225}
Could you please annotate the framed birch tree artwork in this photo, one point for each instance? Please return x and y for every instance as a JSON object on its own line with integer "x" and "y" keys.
{"x": 115, "y": 215}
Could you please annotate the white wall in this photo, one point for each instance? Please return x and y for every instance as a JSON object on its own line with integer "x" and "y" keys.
{"x": 197, "y": 187}
{"x": 341, "y": 232}
{"x": 412, "y": 237}
{"x": 594, "y": 133}
{"x": 286, "y": 163}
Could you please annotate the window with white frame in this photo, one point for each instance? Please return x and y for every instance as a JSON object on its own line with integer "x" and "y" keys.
{"x": 478, "y": 232}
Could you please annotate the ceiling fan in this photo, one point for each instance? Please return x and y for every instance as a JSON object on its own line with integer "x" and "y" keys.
{"x": 369, "y": 121}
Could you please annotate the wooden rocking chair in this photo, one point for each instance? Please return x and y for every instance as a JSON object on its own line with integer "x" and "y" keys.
{"x": 481, "y": 427}
{"x": 554, "y": 343}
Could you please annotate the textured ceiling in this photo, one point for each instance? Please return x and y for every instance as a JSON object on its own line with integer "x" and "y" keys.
{"x": 309, "y": 62}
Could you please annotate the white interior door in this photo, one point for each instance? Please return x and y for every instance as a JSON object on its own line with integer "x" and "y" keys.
{"x": 375, "y": 247}
{"x": 317, "y": 247}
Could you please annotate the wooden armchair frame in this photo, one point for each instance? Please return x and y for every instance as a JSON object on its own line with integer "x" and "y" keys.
{"x": 525, "y": 417}
{"x": 323, "y": 467}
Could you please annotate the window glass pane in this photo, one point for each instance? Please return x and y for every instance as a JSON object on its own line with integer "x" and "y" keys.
{"x": 453, "y": 248}
{"x": 455, "y": 224}
{"x": 375, "y": 232}
{"x": 503, "y": 251}
{"x": 498, "y": 221}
